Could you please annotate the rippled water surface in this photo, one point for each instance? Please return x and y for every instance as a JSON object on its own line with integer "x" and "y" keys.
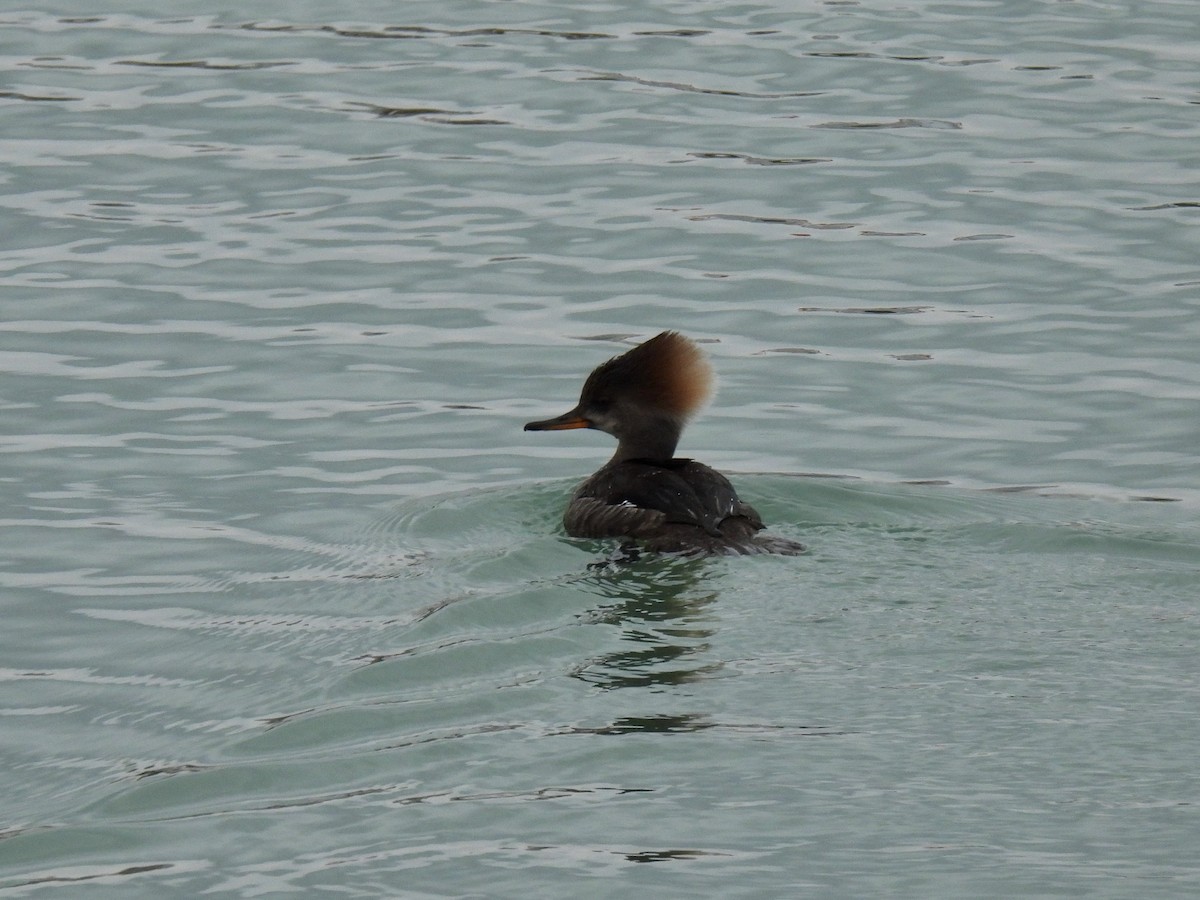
{"x": 287, "y": 605}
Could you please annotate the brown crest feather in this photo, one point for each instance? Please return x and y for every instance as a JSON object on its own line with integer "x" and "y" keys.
{"x": 668, "y": 371}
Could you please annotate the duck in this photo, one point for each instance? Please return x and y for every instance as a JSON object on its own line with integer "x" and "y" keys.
{"x": 645, "y": 495}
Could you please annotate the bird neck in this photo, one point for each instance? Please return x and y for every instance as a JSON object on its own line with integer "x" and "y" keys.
{"x": 654, "y": 439}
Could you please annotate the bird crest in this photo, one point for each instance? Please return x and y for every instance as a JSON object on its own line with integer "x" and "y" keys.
{"x": 669, "y": 372}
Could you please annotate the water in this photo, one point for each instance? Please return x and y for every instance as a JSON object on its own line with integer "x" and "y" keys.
{"x": 287, "y": 607}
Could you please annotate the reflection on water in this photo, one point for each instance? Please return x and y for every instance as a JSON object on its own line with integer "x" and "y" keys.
{"x": 662, "y": 612}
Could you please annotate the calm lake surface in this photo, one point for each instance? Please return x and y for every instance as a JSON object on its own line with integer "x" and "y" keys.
{"x": 287, "y": 605}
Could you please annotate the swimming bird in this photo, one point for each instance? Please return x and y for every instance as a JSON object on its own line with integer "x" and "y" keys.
{"x": 645, "y": 494}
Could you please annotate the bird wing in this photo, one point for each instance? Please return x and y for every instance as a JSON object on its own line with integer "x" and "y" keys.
{"x": 634, "y": 495}
{"x": 590, "y": 517}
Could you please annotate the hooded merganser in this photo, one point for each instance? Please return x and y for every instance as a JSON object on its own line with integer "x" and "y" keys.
{"x": 643, "y": 398}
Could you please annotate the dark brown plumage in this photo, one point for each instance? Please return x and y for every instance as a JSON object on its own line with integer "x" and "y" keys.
{"x": 644, "y": 398}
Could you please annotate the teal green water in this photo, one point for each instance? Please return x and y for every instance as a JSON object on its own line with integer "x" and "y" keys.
{"x": 287, "y": 606}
